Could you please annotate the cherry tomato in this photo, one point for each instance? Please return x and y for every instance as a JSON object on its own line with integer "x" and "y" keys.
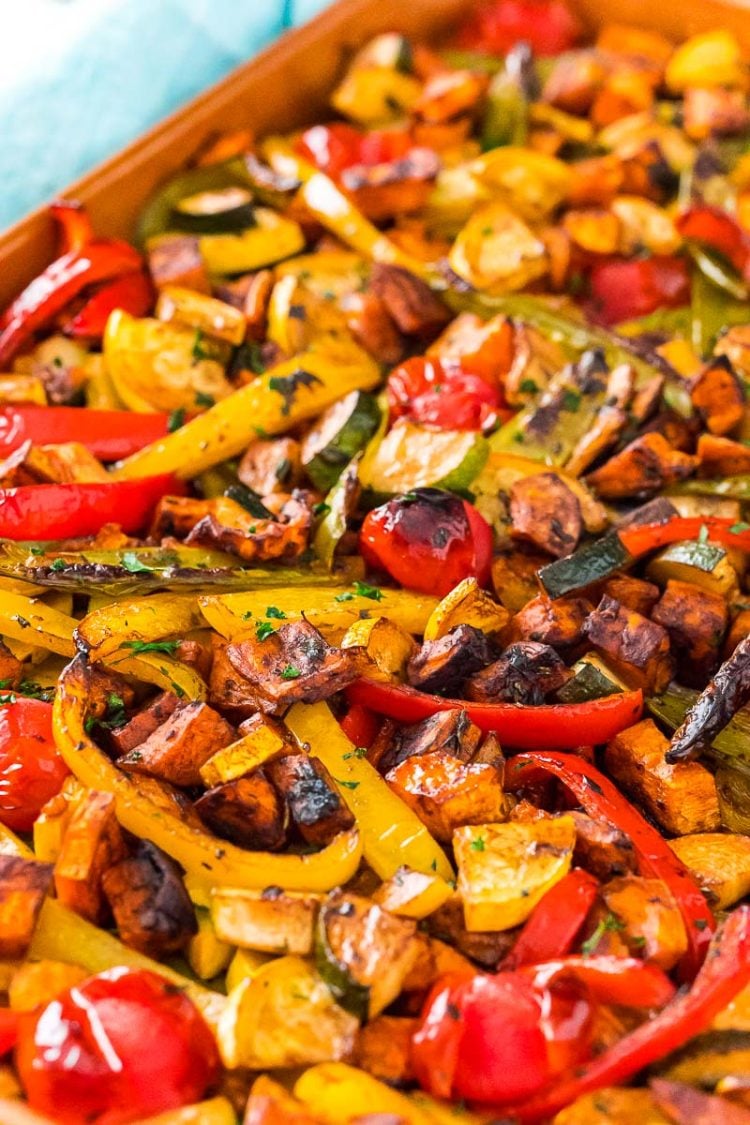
{"x": 440, "y": 393}
{"x": 624, "y": 289}
{"x": 332, "y": 148}
{"x": 547, "y": 25}
{"x": 124, "y": 1045}
{"x": 716, "y": 230}
{"x": 31, "y": 770}
{"x": 383, "y": 146}
{"x": 428, "y": 540}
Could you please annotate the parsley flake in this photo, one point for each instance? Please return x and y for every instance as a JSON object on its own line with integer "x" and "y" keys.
{"x": 362, "y": 590}
{"x": 168, "y": 648}
{"x": 133, "y": 564}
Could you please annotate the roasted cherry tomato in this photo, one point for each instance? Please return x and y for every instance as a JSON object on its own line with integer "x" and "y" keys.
{"x": 440, "y": 393}
{"x": 31, "y": 770}
{"x": 124, "y": 1045}
{"x": 428, "y": 540}
{"x": 624, "y": 289}
{"x": 716, "y": 230}
{"x": 547, "y": 25}
{"x": 333, "y": 148}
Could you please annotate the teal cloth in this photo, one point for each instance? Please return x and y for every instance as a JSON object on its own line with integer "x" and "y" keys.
{"x": 91, "y": 75}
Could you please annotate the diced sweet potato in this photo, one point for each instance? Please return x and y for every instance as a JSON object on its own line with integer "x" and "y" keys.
{"x": 696, "y": 621}
{"x": 443, "y": 665}
{"x": 446, "y": 793}
{"x": 547, "y": 513}
{"x": 720, "y": 864}
{"x": 196, "y": 655}
{"x": 24, "y": 884}
{"x": 411, "y": 303}
{"x": 448, "y": 924}
{"x": 151, "y": 907}
{"x": 248, "y": 811}
{"x": 144, "y": 722}
{"x": 175, "y": 259}
{"x": 525, "y": 673}
{"x": 383, "y": 1049}
{"x": 633, "y": 593}
{"x": 559, "y": 623}
{"x": 718, "y": 396}
{"x": 451, "y": 732}
{"x": 682, "y": 798}
{"x": 652, "y": 924}
{"x": 315, "y": 805}
{"x": 372, "y": 326}
{"x": 574, "y": 81}
{"x": 271, "y": 465}
{"x": 637, "y": 649}
{"x": 226, "y": 688}
{"x": 602, "y": 848}
{"x": 292, "y": 665}
{"x": 93, "y": 841}
{"x": 178, "y": 748}
{"x": 722, "y": 457}
{"x": 645, "y": 466}
{"x": 396, "y": 187}
{"x": 436, "y": 957}
{"x": 514, "y": 578}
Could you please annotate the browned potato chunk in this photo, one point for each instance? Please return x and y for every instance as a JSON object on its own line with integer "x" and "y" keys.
{"x": 514, "y": 578}
{"x": 696, "y": 621}
{"x": 443, "y": 665}
{"x": 271, "y": 465}
{"x": 149, "y": 902}
{"x": 315, "y": 805}
{"x": 633, "y": 593}
{"x": 525, "y": 673}
{"x": 718, "y": 396}
{"x": 144, "y": 722}
{"x": 23, "y": 887}
{"x": 272, "y": 921}
{"x": 178, "y": 748}
{"x": 410, "y": 302}
{"x": 645, "y": 466}
{"x": 248, "y": 811}
{"x": 722, "y": 457}
{"x": 547, "y": 513}
{"x": 559, "y": 623}
{"x": 637, "y": 649}
{"x": 720, "y": 864}
{"x": 446, "y": 793}
{"x": 602, "y": 848}
{"x": 383, "y": 1049}
{"x": 653, "y": 925}
{"x": 682, "y": 798}
{"x": 92, "y": 843}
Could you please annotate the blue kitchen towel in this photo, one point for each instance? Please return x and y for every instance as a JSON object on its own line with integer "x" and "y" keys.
{"x": 82, "y": 78}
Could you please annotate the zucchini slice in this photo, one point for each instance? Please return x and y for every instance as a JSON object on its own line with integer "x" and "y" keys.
{"x": 705, "y": 564}
{"x": 592, "y": 680}
{"x": 416, "y": 457}
{"x": 273, "y": 238}
{"x": 340, "y": 433}
{"x": 157, "y": 216}
{"x": 215, "y": 211}
{"x": 588, "y": 564}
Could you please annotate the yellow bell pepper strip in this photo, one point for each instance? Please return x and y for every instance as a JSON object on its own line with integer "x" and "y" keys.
{"x": 62, "y": 935}
{"x": 32, "y": 622}
{"x": 393, "y": 836}
{"x": 200, "y": 853}
{"x": 290, "y": 393}
{"x": 332, "y": 611}
{"x": 115, "y": 628}
{"x": 216, "y": 1111}
{"x": 336, "y": 1093}
{"x": 162, "y": 671}
{"x": 22, "y": 388}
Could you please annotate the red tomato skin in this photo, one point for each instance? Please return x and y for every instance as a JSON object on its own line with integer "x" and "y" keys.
{"x": 547, "y": 25}
{"x": 124, "y": 1045}
{"x": 622, "y": 290}
{"x": 400, "y": 538}
{"x": 441, "y": 393}
{"x": 31, "y": 769}
{"x": 332, "y": 148}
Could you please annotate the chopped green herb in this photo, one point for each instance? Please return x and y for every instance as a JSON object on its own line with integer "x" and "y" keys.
{"x": 345, "y": 597}
{"x": 477, "y": 844}
{"x": 703, "y": 534}
{"x": 263, "y": 630}
{"x": 247, "y": 615}
{"x": 528, "y": 387}
{"x": 571, "y": 401}
{"x": 168, "y": 648}
{"x": 36, "y": 551}
{"x": 347, "y": 784}
{"x": 176, "y": 420}
{"x": 362, "y": 590}
{"x": 202, "y": 399}
{"x": 289, "y": 672}
{"x": 276, "y": 613}
{"x": 58, "y": 565}
{"x": 288, "y": 385}
{"x": 738, "y": 528}
{"x": 606, "y": 925}
{"x": 357, "y": 752}
{"x": 133, "y": 564}
{"x": 321, "y": 509}
{"x": 199, "y": 351}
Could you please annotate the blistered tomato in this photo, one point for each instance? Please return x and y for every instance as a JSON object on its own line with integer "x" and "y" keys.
{"x": 440, "y": 393}
{"x": 428, "y": 540}
{"x": 31, "y": 769}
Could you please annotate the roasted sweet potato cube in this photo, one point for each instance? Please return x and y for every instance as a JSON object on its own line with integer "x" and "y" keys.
{"x": 293, "y": 665}
{"x": 645, "y": 466}
{"x": 718, "y": 396}
{"x": 601, "y": 848}
{"x": 448, "y": 926}
{"x": 409, "y": 300}
{"x": 446, "y": 793}
{"x": 682, "y": 798}
{"x": 637, "y": 649}
{"x": 92, "y": 843}
{"x": 383, "y": 1049}
{"x": 547, "y": 513}
{"x": 652, "y": 924}
{"x": 574, "y": 81}
{"x": 247, "y": 811}
{"x": 151, "y": 908}
{"x": 373, "y": 327}
{"x": 558, "y": 623}
{"x": 226, "y": 688}
{"x": 24, "y": 884}
{"x": 144, "y": 722}
{"x": 514, "y": 578}
{"x": 696, "y": 621}
{"x": 633, "y": 593}
{"x": 443, "y": 665}
{"x": 436, "y": 957}
{"x": 719, "y": 863}
{"x": 525, "y": 673}
{"x": 449, "y": 731}
{"x": 175, "y": 259}
{"x": 178, "y": 748}
{"x": 397, "y": 187}
{"x": 271, "y": 465}
{"x": 315, "y": 805}
{"x": 722, "y": 457}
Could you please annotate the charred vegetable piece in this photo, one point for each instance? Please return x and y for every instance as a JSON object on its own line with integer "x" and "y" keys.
{"x": 151, "y": 907}
{"x": 546, "y": 512}
{"x": 587, "y": 565}
{"x": 637, "y": 648}
{"x": 340, "y": 433}
{"x": 92, "y": 843}
{"x": 447, "y": 793}
{"x": 248, "y": 811}
{"x": 442, "y": 666}
{"x": 315, "y": 806}
{"x": 526, "y": 673}
{"x": 727, "y": 692}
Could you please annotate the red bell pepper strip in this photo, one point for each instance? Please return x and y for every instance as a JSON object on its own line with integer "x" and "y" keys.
{"x": 63, "y": 511}
{"x": 623, "y": 289}
{"x": 555, "y": 726}
{"x": 725, "y": 972}
{"x": 360, "y": 725}
{"x": 74, "y": 225}
{"x": 611, "y": 980}
{"x": 8, "y": 1030}
{"x": 639, "y": 540}
{"x": 50, "y": 292}
{"x": 548, "y": 26}
{"x": 557, "y": 920}
{"x": 109, "y": 434}
{"x": 601, "y": 799}
{"x": 133, "y": 292}
{"x": 715, "y": 230}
